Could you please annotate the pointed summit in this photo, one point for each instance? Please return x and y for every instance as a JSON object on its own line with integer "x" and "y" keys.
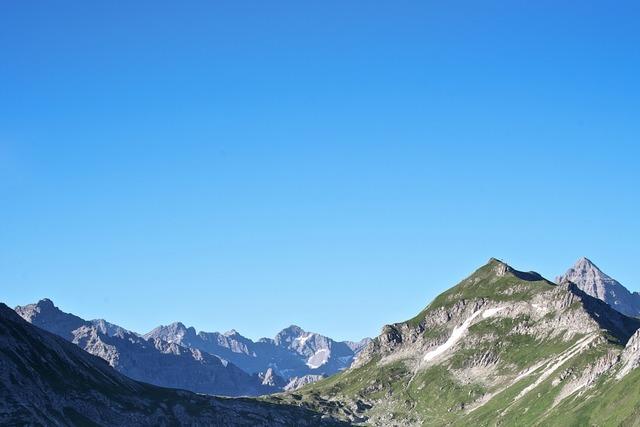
{"x": 293, "y": 329}
{"x": 593, "y": 281}
{"x": 174, "y": 332}
{"x": 586, "y": 264}
{"x": 287, "y": 335}
{"x": 178, "y": 326}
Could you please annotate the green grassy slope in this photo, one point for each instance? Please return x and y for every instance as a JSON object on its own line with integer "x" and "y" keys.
{"x": 479, "y": 381}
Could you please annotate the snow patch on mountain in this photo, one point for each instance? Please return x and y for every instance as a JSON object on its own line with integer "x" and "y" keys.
{"x": 302, "y": 339}
{"x": 319, "y": 358}
{"x": 459, "y": 332}
{"x": 554, "y": 364}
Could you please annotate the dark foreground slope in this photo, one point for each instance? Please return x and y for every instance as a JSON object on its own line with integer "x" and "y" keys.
{"x": 45, "y": 380}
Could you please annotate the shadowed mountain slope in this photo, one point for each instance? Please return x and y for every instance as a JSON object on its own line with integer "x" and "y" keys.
{"x": 151, "y": 360}
{"x": 45, "y": 380}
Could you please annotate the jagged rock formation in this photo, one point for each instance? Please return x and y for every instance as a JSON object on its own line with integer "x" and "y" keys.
{"x": 292, "y": 353}
{"x": 177, "y": 356}
{"x": 299, "y": 382}
{"x": 45, "y": 380}
{"x": 503, "y": 347}
{"x": 150, "y": 360}
{"x": 630, "y": 357}
{"x": 594, "y": 282}
{"x": 270, "y": 379}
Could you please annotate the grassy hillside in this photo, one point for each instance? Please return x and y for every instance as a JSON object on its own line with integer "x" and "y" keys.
{"x": 502, "y": 347}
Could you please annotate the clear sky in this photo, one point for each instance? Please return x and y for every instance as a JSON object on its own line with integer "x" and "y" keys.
{"x": 333, "y": 164}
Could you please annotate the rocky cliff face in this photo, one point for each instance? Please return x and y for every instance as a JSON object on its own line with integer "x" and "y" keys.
{"x": 292, "y": 353}
{"x": 299, "y": 382}
{"x": 630, "y": 357}
{"x": 501, "y": 347}
{"x": 45, "y": 315}
{"x": 152, "y": 360}
{"x": 594, "y": 282}
{"x": 45, "y": 380}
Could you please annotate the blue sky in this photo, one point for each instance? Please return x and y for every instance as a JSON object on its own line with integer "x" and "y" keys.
{"x": 331, "y": 164}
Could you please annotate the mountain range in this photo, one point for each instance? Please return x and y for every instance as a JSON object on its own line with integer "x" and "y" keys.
{"x": 213, "y": 363}
{"x": 292, "y": 353}
{"x": 46, "y": 380}
{"x": 502, "y": 347}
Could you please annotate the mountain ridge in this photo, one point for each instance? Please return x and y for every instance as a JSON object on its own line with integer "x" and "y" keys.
{"x": 47, "y": 380}
{"x": 502, "y": 346}
{"x": 176, "y": 355}
{"x": 292, "y": 353}
{"x": 154, "y": 361}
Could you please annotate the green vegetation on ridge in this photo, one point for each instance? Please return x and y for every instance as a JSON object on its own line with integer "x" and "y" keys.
{"x": 520, "y": 367}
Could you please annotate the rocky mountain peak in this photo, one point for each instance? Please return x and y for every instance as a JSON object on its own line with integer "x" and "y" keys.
{"x": 289, "y": 334}
{"x": 174, "y": 332}
{"x": 586, "y": 261}
{"x": 585, "y": 270}
{"x": 593, "y": 281}
{"x": 501, "y": 268}
{"x": 178, "y": 326}
{"x": 271, "y": 379}
{"x": 46, "y": 315}
{"x": 109, "y": 329}
{"x": 584, "y": 266}
{"x": 45, "y": 303}
{"x": 293, "y": 330}
{"x": 44, "y": 306}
